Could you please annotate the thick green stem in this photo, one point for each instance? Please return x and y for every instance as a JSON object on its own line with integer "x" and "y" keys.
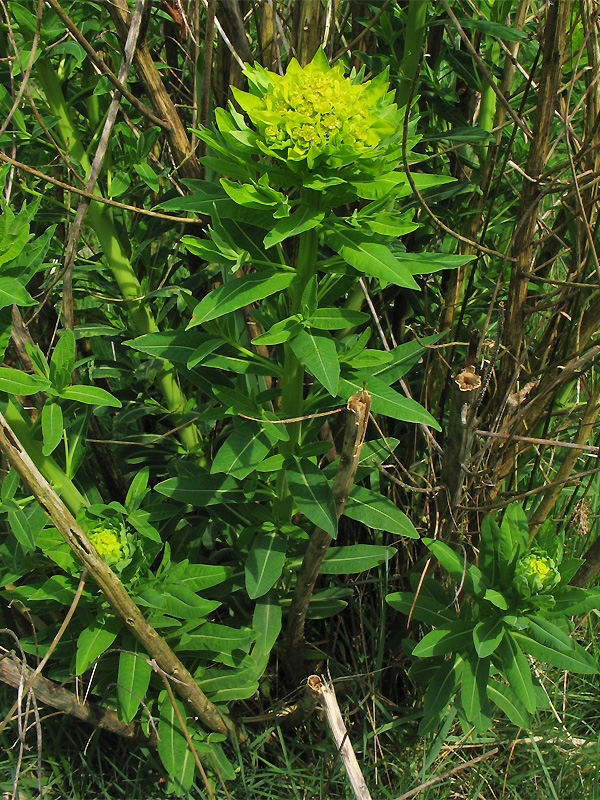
{"x": 101, "y": 221}
{"x": 413, "y": 42}
{"x": 292, "y": 383}
{"x": 65, "y": 487}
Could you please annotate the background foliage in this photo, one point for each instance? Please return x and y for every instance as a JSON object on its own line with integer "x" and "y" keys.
{"x": 156, "y": 323}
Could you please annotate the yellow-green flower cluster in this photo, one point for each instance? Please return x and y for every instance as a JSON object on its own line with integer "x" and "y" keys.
{"x": 315, "y": 113}
{"x": 535, "y": 573}
{"x": 107, "y": 542}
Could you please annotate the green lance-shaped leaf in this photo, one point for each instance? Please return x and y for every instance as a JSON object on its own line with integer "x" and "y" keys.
{"x": 240, "y": 292}
{"x": 355, "y": 558}
{"x": 489, "y": 550}
{"x": 310, "y": 490}
{"x": 266, "y": 621}
{"x": 220, "y": 638}
{"x": 94, "y": 640}
{"x": 14, "y": 293}
{"x": 507, "y": 701}
{"x": 242, "y": 451}
{"x": 264, "y": 563}
{"x": 439, "y": 693}
{"x": 547, "y": 642}
{"x": 336, "y": 319}
{"x": 305, "y": 218}
{"x": 62, "y": 362}
{"x": 449, "y": 637}
{"x": 574, "y": 600}
{"x": 52, "y": 427}
{"x": 473, "y": 686}
{"x": 370, "y": 258}
{"x": 13, "y": 381}
{"x": 487, "y": 635}
{"x": 377, "y": 511}
{"x": 133, "y": 679}
{"x": 317, "y": 352}
{"x": 19, "y": 525}
{"x": 386, "y": 400}
{"x": 173, "y": 748}
{"x": 457, "y": 567}
{"x": 516, "y": 526}
{"x": 90, "y": 395}
{"x": 424, "y": 609}
{"x": 516, "y": 669}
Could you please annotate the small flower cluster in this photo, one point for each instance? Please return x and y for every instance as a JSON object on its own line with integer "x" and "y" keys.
{"x": 535, "y": 573}
{"x": 314, "y": 113}
{"x": 108, "y": 543}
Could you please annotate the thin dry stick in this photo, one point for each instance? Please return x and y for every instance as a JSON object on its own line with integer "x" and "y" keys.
{"x": 110, "y": 585}
{"x": 448, "y": 774}
{"x": 97, "y": 198}
{"x": 589, "y": 448}
{"x": 209, "y": 37}
{"x": 362, "y": 34}
{"x": 485, "y": 72}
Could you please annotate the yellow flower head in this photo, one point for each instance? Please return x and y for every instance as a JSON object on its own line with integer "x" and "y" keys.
{"x": 314, "y": 114}
{"x": 535, "y": 573}
{"x": 107, "y": 542}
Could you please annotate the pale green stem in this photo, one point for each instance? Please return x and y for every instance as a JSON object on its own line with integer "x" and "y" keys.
{"x": 100, "y": 220}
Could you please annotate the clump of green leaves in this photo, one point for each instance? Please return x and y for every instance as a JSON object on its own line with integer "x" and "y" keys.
{"x": 516, "y": 602}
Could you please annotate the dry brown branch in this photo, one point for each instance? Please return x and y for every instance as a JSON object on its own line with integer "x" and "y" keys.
{"x": 183, "y": 156}
{"x": 16, "y": 674}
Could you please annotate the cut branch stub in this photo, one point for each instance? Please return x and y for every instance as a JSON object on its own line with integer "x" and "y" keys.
{"x": 357, "y": 418}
